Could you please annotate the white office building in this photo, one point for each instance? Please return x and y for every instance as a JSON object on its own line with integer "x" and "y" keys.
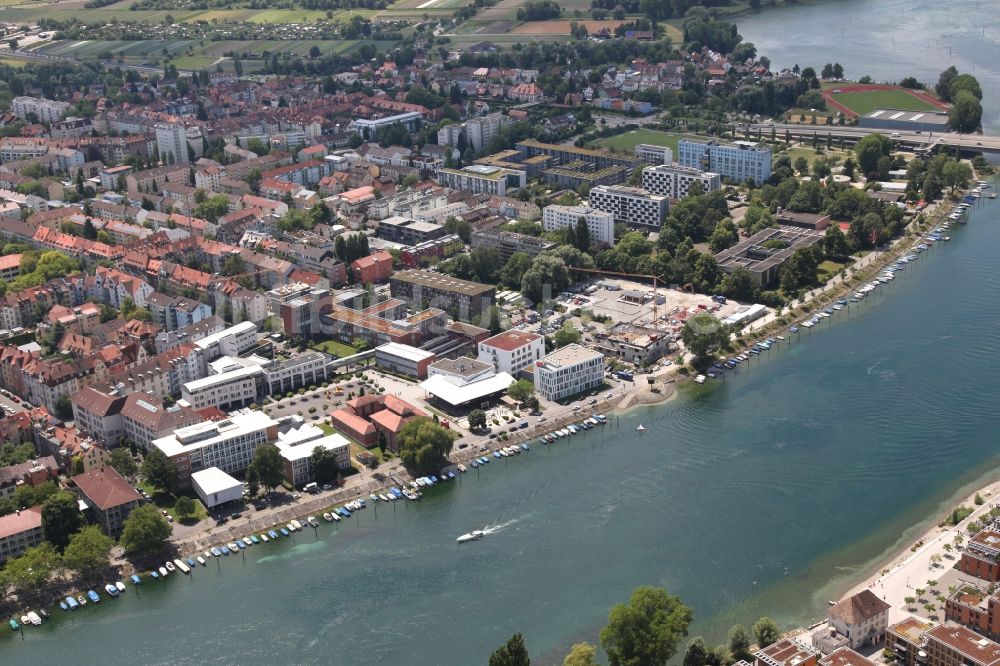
{"x": 600, "y": 223}
{"x": 45, "y": 110}
{"x": 512, "y": 351}
{"x": 739, "y": 161}
{"x": 630, "y": 205}
{"x": 231, "y": 341}
{"x": 228, "y": 444}
{"x": 674, "y": 181}
{"x": 568, "y": 371}
{"x": 171, "y": 142}
{"x": 215, "y": 487}
{"x": 305, "y": 369}
{"x": 654, "y": 154}
{"x": 404, "y": 359}
{"x": 229, "y": 390}
{"x": 297, "y": 445}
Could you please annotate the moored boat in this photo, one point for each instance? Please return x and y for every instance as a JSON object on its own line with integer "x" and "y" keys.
{"x": 201, "y": 561}
{"x": 183, "y": 567}
{"x": 327, "y": 517}
{"x": 34, "y": 618}
{"x": 163, "y": 571}
{"x": 93, "y": 596}
{"x": 120, "y": 585}
{"x": 136, "y": 580}
{"x": 72, "y": 603}
{"x": 312, "y": 521}
{"x": 111, "y": 590}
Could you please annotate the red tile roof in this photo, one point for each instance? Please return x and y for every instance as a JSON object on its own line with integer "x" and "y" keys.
{"x": 106, "y": 489}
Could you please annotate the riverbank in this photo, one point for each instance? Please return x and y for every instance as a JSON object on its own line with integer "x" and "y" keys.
{"x": 934, "y": 553}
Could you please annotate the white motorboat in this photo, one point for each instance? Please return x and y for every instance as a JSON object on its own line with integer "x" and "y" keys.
{"x": 201, "y": 560}
{"x": 312, "y": 521}
{"x": 471, "y": 536}
{"x": 328, "y": 517}
{"x": 120, "y": 585}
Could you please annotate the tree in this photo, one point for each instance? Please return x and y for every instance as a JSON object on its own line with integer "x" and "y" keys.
{"x": 89, "y": 551}
{"x": 268, "y": 465}
{"x": 966, "y": 112}
{"x": 61, "y": 518}
{"x": 835, "y": 243}
{"x": 703, "y": 335}
{"x": 521, "y": 390}
{"x": 184, "y": 507}
{"x": 646, "y": 630}
{"x": 581, "y": 654}
{"x": 943, "y": 87}
{"x": 422, "y": 443}
{"x": 146, "y": 530}
{"x": 64, "y": 408}
{"x": 869, "y": 150}
{"x": 33, "y": 569}
{"x": 739, "y": 643}
{"x": 566, "y": 335}
{"x": 697, "y": 653}
{"x": 159, "y": 470}
{"x": 956, "y": 174}
{"x": 965, "y": 83}
{"x": 766, "y": 631}
{"x": 511, "y": 653}
{"x": 477, "y": 419}
{"x": 123, "y": 463}
{"x": 582, "y": 235}
{"x": 324, "y": 466}
{"x": 514, "y": 270}
{"x": 723, "y": 237}
{"x": 253, "y": 483}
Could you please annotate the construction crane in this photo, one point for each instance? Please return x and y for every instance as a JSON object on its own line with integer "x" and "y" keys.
{"x": 654, "y": 278}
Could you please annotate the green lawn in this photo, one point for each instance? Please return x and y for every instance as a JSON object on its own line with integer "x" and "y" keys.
{"x": 338, "y": 349}
{"x": 866, "y": 102}
{"x": 629, "y": 140}
{"x": 194, "y": 62}
{"x": 829, "y": 269}
{"x": 811, "y": 155}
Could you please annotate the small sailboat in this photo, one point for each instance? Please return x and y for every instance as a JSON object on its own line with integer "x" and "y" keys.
{"x": 640, "y": 428}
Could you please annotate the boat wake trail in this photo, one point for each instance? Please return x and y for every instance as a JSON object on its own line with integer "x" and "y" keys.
{"x": 493, "y": 529}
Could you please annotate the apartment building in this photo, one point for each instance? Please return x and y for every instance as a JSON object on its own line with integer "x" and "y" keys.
{"x": 630, "y": 205}
{"x": 506, "y": 243}
{"x": 478, "y": 132}
{"x": 231, "y": 341}
{"x": 740, "y": 161}
{"x": 20, "y": 531}
{"x": 228, "y": 444}
{"x": 906, "y": 640}
{"x": 171, "y": 142}
{"x": 651, "y": 154}
{"x": 462, "y": 299}
{"x": 483, "y": 179}
{"x": 227, "y": 391}
{"x": 109, "y": 498}
{"x": 568, "y": 371}
{"x": 674, "y": 181}
{"x": 44, "y": 110}
{"x": 409, "y": 232}
{"x": 512, "y": 351}
{"x": 99, "y": 414}
{"x": 600, "y": 224}
{"x": 145, "y": 418}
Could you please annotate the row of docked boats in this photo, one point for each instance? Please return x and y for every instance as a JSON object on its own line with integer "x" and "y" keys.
{"x": 29, "y": 618}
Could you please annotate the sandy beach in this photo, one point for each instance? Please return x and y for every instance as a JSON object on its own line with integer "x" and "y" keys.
{"x": 912, "y": 566}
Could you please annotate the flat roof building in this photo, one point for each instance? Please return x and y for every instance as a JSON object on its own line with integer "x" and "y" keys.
{"x": 297, "y": 445}
{"x": 20, "y": 531}
{"x": 630, "y": 205}
{"x": 568, "y": 371}
{"x": 506, "y": 243}
{"x": 404, "y": 359}
{"x": 228, "y": 444}
{"x": 215, "y": 487}
{"x": 652, "y": 154}
{"x": 231, "y": 341}
{"x": 740, "y": 161}
{"x": 462, "y": 299}
{"x": 512, "y": 351}
{"x": 600, "y": 224}
{"x": 905, "y": 121}
{"x": 229, "y": 390}
{"x": 675, "y": 181}
{"x": 765, "y": 262}
{"x": 463, "y": 383}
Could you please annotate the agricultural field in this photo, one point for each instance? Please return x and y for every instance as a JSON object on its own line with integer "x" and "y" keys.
{"x": 626, "y": 143}
{"x": 194, "y": 54}
{"x": 561, "y": 27}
